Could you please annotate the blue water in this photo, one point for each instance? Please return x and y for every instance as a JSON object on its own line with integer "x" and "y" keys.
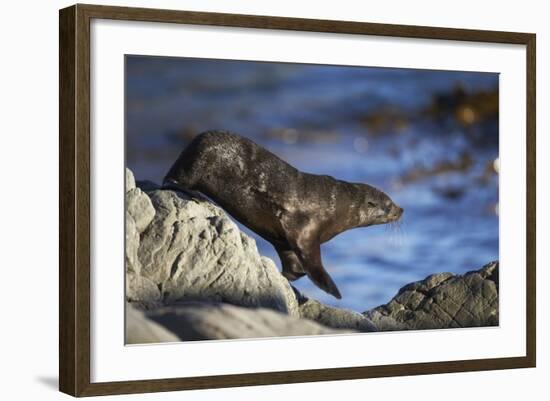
{"x": 311, "y": 116}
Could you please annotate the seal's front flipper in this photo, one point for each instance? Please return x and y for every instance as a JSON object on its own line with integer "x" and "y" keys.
{"x": 321, "y": 278}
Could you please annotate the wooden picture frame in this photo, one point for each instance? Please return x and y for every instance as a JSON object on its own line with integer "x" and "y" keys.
{"x": 75, "y": 206}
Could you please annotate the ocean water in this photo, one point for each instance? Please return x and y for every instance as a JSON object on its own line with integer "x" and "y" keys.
{"x": 370, "y": 125}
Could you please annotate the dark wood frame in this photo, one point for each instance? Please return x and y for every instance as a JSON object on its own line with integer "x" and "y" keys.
{"x": 74, "y": 199}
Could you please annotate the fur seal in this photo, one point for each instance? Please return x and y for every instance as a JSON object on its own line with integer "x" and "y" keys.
{"x": 295, "y": 211}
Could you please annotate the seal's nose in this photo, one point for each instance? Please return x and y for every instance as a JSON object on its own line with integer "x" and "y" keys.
{"x": 396, "y": 212}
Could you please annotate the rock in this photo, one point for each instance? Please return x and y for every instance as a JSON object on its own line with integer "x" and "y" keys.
{"x": 142, "y": 292}
{"x": 141, "y": 330}
{"x": 443, "y": 301}
{"x": 191, "y": 250}
{"x": 139, "y": 213}
{"x": 138, "y": 204}
{"x": 132, "y": 244}
{"x": 207, "y": 321}
{"x": 334, "y": 317}
{"x": 130, "y": 180}
{"x": 132, "y": 235}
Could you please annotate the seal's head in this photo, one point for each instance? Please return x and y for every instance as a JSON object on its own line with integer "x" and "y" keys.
{"x": 378, "y": 208}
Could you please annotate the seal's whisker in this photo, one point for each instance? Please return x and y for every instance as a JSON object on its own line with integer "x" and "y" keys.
{"x": 396, "y": 228}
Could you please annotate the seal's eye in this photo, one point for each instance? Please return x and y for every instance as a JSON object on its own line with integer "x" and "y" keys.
{"x": 372, "y": 204}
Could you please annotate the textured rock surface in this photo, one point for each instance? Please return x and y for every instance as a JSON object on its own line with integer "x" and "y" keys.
{"x": 142, "y": 292}
{"x": 334, "y": 317}
{"x": 130, "y": 180}
{"x": 141, "y": 330}
{"x": 190, "y": 250}
{"x": 139, "y": 289}
{"x": 132, "y": 244}
{"x": 138, "y": 204}
{"x": 203, "y": 321}
{"x": 443, "y": 301}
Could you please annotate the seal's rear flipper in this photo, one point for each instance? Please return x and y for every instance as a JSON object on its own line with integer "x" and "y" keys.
{"x": 321, "y": 278}
{"x": 292, "y": 267}
{"x": 308, "y": 251}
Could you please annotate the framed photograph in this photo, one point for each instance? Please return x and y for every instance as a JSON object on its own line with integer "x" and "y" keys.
{"x": 249, "y": 200}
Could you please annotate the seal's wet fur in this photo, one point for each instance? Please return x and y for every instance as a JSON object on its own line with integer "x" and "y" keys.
{"x": 294, "y": 211}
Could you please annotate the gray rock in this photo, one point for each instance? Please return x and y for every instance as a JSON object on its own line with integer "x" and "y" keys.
{"x": 191, "y": 250}
{"x": 130, "y": 180}
{"x": 141, "y": 330}
{"x": 139, "y": 290}
{"x": 132, "y": 245}
{"x": 138, "y": 204}
{"x": 335, "y": 317}
{"x": 443, "y": 301}
{"x": 142, "y": 291}
{"x": 139, "y": 213}
{"x": 204, "y": 321}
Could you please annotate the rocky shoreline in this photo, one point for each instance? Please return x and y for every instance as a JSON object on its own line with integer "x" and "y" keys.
{"x": 191, "y": 274}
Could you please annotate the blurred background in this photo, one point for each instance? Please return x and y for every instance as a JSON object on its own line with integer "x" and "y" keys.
{"x": 429, "y": 139}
